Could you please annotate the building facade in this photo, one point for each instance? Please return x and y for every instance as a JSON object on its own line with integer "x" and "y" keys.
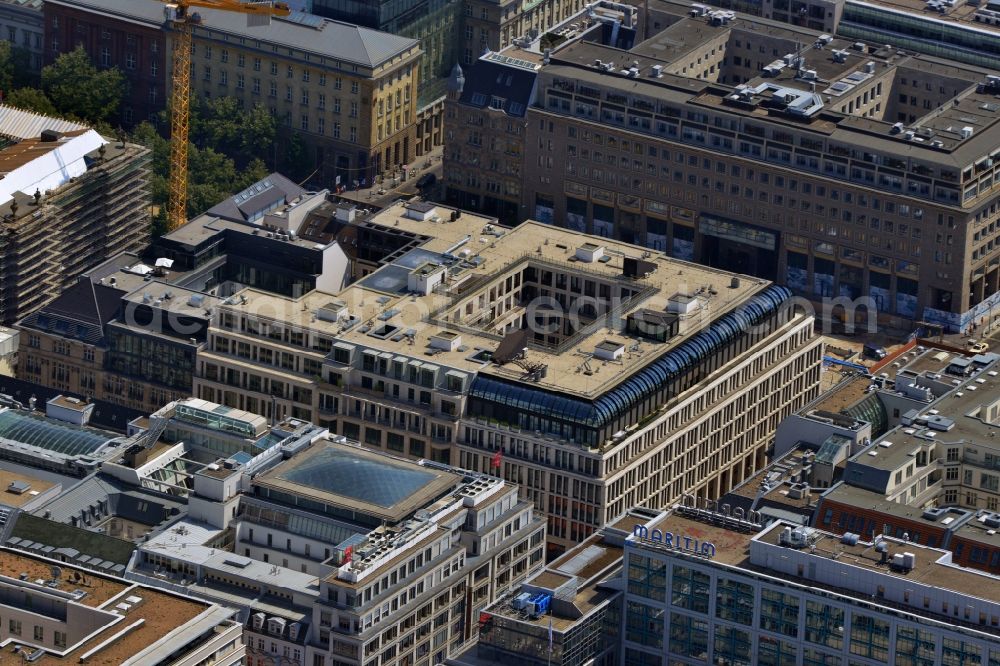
{"x": 21, "y": 24}
{"x": 597, "y": 415}
{"x": 853, "y": 124}
{"x": 712, "y": 588}
{"x": 349, "y": 92}
{"x": 70, "y": 199}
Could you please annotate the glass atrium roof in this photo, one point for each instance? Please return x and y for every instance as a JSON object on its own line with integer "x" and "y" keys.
{"x": 363, "y": 479}
{"x": 47, "y": 434}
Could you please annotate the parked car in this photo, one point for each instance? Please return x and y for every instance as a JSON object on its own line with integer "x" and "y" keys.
{"x": 977, "y": 347}
{"x": 874, "y": 352}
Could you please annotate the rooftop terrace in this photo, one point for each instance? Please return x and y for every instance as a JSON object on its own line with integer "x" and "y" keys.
{"x": 153, "y": 616}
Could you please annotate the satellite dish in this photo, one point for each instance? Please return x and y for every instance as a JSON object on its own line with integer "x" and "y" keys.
{"x": 56, "y": 573}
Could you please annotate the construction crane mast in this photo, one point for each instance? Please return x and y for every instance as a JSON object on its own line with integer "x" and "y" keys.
{"x": 181, "y": 18}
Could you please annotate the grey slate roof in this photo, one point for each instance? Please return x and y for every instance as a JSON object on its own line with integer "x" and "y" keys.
{"x": 121, "y": 499}
{"x": 332, "y": 39}
{"x": 488, "y": 79}
{"x": 243, "y": 204}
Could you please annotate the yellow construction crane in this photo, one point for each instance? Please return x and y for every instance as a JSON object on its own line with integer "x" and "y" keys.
{"x": 181, "y": 19}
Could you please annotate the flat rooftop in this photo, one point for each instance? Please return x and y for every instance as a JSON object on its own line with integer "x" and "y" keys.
{"x": 962, "y": 14}
{"x": 160, "y": 613}
{"x": 385, "y": 313}
{"x": 966, "y": 404}
{"x": 869, "y": 500}
{"x": 976, "y": 529}
{"x": 186, "y": 541}
{"x": 684, "y": 50}
{"x": 9, "y": 479}
{"x": 177, "y": 300}
{"x": 358, "y": 480}
{"x": 845, "y": 394}
{"x": 731, "y": 547}
{"x": 929, "y": 570}
{"x": 583, "y": 562}
{"x": 206, "y": 226}
{"x": 128, "y": 272}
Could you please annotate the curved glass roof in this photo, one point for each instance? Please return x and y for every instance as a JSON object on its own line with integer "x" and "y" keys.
{"x": 364, "y": 479}
{"x": 872, "y": 410}
{"x": 642, "y": 383}
{"x": 44, "y": 433}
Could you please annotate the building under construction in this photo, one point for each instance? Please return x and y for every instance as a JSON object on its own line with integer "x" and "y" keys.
{"x": 69, "y": 199}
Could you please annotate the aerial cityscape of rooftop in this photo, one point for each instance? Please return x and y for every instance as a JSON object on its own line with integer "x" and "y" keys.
{"x": 484, "y": 333}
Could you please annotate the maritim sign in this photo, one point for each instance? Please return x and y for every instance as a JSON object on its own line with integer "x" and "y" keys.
{"x": 675, "y": 541}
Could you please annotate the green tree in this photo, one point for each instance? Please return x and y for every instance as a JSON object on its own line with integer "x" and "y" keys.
{"x": 31, "y": 99}
{"x": 212, "y": 177}
{"x": 15, "y": 68}
{"x": 295, "y": 160}
{"x": 222, "y": 154}
{"x": 219, "y": 123}
{"x": 79, "y": 89}
{"x": 146, "y": 135}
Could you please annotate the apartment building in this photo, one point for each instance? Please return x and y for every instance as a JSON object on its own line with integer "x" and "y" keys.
{"x": 128, "y": 332}
{"x": 350, "y": 92}
{"x": 22, "y": 25}
{"x": 56, "y": 226}
{"x": 850, "y": 170}
{"x": 339, "y": 555}
{"x": 131, "y": 342}
{"x": 707, "y": 587}
{"x": 54, "y": 613}
{"x": 467, "y": 343}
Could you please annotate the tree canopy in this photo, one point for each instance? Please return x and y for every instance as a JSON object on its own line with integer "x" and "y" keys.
{"x": 80, "y": 90}
{"x": 31, "y": 99}
{"x": 224, "y": 143}
{"x": 15, "y": 68}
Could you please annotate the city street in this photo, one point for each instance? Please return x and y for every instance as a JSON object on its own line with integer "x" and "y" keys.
{"x": 393, "y": 187}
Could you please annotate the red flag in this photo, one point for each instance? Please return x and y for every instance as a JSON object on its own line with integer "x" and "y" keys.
{"x": 496, "y": 459}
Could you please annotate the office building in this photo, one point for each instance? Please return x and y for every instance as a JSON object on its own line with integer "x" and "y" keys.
{"x": 850, "y": 169}
{"x": 21, "y": 24}
{"x": 434, "y": 23}
{"x": 57, "y": 614}
{"x": 128, "y": 332}
{"x": 339, "y": 555}
{"x": 596, "y": 374}
{"x": 69, "y": 200}
{"x": 349, "y": 92}
{"x": 707, "y": 587}
{"x": 908, "y": 455}
{"x": 965, "y": 32}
